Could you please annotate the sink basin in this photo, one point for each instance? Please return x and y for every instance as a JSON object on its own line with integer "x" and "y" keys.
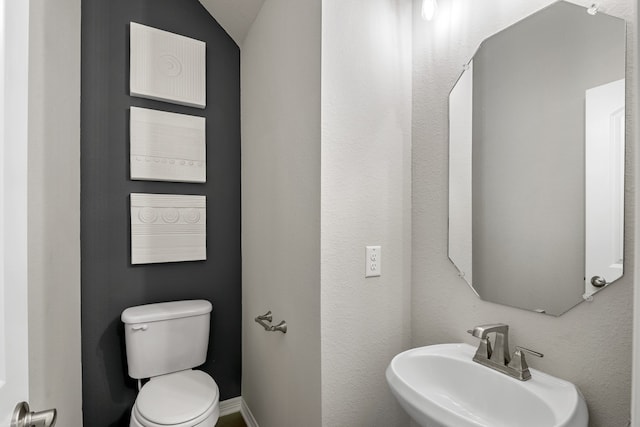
{"x": 440, "y": 386}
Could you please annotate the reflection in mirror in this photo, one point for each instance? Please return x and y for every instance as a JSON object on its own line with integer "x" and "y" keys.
{"x": 536, "y": 167}
{"x": 604, "y": 183}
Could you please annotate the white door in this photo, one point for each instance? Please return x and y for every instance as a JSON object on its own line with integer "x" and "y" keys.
{"x": 604, "y": 190}
{"x": 39, "y": 72}
{"x": 13, "y": 206}
{"x": 14, "y": 351}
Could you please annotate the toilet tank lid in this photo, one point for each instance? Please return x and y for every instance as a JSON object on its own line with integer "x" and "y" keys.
{"x": 165, "y": 311}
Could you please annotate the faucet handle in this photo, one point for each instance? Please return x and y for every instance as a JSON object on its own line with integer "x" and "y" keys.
{"x": 526, "y": 350}
{"x": 519, "y": 363}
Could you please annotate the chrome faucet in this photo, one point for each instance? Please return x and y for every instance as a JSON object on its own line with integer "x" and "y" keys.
{"x": 498, "y": 356}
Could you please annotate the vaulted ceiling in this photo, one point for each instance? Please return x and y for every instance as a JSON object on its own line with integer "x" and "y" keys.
{"x": 235, "y": 16}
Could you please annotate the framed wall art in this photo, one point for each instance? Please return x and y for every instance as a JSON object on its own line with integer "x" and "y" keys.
{"x": 167, "y": 67}
{"x": 167, "y": 146}
{"x": 168, "y": 228}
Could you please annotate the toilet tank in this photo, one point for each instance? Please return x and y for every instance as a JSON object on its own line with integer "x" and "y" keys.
{"x": 166, "y": 337}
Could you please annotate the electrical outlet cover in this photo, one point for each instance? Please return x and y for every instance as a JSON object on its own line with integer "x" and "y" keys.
{"x": 373, "y": 261}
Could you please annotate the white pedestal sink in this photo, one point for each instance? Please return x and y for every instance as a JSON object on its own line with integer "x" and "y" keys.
{"x": 440, "y": 386}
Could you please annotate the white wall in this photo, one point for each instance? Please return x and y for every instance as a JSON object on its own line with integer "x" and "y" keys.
{"x": 591, "y": 344}
{"x": 366, "y": 200}
{"x": 280, "y": 95}
{"x": 303, "y": 247}
{"x": 55, "y": 377}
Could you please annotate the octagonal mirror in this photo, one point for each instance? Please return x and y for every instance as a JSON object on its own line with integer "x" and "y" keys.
{"x": 536, "y": 160}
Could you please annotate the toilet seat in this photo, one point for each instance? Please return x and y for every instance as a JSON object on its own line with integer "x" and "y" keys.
{"x": 208, "y": 419}
{"x": 182, "y": 399}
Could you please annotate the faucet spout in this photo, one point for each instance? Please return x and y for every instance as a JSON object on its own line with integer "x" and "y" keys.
{"x": 481, "y": 331}
{"x": 500, "y": 353}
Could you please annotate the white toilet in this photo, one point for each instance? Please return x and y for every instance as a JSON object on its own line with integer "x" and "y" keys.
{"x": 164, "y": 342}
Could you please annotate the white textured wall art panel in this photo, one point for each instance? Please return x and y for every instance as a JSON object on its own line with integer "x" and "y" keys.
{"x": 167, "y": 67}
{"x": 167, "y": 146}
{"x": 168, "y": 228}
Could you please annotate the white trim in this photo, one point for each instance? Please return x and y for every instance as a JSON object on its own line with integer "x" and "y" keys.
{"x": 247, "y": 415}
{"x": 237, "y": 404}
{"x": 230, "y": 406}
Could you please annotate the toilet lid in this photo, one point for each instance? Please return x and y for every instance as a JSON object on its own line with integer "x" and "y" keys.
{"x": 177, "y": 398}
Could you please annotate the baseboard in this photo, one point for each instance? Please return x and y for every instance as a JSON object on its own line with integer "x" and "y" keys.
{"x": 237, "y": 404}
{"x": 249, "y": 420}
{"x": 230, "y": 406}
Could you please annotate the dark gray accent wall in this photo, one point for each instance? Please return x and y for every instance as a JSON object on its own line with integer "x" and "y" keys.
{"x": 109, "y": 282}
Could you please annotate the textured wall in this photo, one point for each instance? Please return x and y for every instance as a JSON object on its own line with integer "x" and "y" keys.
{"x": 109, "y": 282}
{"x": 304, "y": 254}
{"x": 591, "y": 344}
{"x": 281, "y": 212}
{"x": 366, "y": 200}
{"x": 54, "y": 209}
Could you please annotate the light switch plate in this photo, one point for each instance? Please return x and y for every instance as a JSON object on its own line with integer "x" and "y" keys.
{"x": 373, "y": 261}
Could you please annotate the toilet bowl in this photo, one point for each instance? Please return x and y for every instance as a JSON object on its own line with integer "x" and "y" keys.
{"x": 181, "y": 399}
{"x": 164, "y": 342}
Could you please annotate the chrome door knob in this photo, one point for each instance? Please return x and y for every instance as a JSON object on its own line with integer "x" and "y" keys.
{"x": 598, "y": 281}
{"x": 23, "y": 417}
